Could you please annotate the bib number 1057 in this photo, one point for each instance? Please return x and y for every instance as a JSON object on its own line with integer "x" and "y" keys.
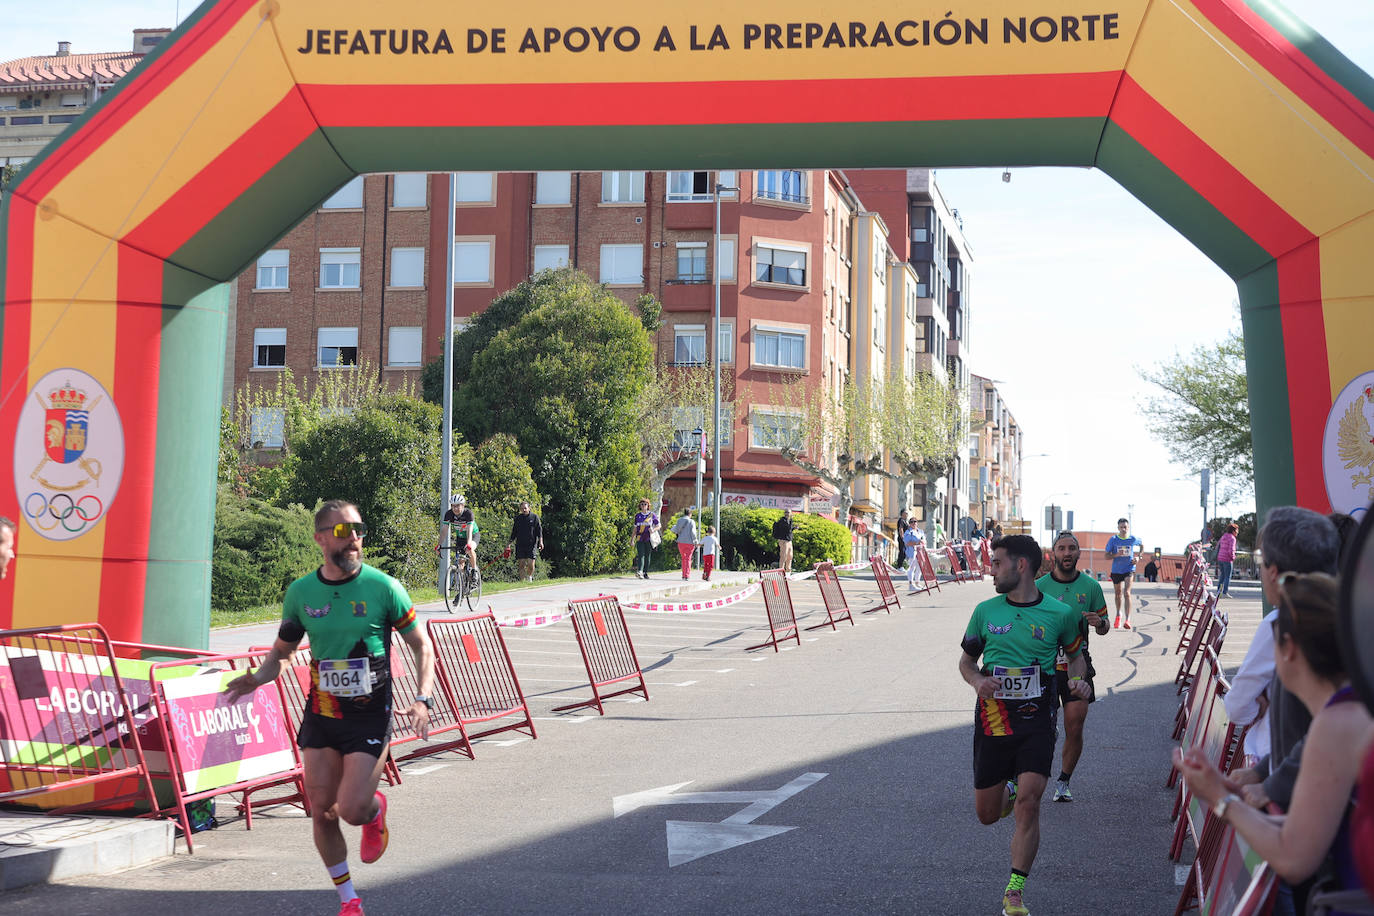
{"x": 1017, "y": 683}
{"x": 345, "y": 677}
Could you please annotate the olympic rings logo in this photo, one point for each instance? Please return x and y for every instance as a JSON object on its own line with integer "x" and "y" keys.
{"x": 49, "y": 512}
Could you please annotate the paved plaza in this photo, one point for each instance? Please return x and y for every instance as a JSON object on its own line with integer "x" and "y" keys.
{"x": 833, "y": 777}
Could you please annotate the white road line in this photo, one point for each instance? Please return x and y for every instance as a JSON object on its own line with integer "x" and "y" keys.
{"x": 420, "y": 771}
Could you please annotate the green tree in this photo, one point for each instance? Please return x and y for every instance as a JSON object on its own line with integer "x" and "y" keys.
{"x": 564, "y": 379}
{"x": 925, "y": 422}
{"x": 501, "y": 478}
{"x": 1203, "y": 415}
{"x": 675, "y": 399}
{"x": 385, "y": 458}
{"x": 837, "y": 438}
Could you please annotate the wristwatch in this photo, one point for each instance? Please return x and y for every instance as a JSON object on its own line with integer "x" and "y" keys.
{"x": 428, "y": 701}
{"x": 1219, "y": 809}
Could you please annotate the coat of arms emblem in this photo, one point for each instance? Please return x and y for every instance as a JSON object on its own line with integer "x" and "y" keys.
{"x": 1348, "y": 447}
{"x": 68, "y": 454}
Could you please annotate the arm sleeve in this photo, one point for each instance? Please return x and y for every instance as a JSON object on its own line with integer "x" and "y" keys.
{"x": 1252, "y": 677}
{"x": 1070, "y": 635}
{"x": 291, "y": 629}
{"x": 973, "y": 641}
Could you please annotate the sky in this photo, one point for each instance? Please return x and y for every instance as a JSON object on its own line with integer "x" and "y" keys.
{"x": 1076, "y": 287}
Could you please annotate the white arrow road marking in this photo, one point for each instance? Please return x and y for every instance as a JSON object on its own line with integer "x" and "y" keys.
{"x": 689, "y": 840}
{"x": 680, "y": 684}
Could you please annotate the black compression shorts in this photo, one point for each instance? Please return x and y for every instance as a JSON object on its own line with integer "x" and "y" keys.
{"x": 368, "y": 735}
{"x": 997, "y": 759}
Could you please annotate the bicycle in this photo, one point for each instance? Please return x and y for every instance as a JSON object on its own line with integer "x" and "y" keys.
{"x": 461, "y": 583}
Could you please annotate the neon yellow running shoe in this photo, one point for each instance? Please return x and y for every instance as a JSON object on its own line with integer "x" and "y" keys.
{"x": 1012, "y": 904}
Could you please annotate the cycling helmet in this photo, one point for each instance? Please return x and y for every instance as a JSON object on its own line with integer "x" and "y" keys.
{"x": 457, "y": 500}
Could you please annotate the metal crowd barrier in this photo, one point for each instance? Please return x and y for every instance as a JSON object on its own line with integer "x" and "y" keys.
{"x": 777, "y": 600}
{"x": 607, "y": 651}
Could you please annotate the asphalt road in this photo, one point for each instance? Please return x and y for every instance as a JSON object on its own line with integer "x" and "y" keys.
{"x": 848, "y": 759}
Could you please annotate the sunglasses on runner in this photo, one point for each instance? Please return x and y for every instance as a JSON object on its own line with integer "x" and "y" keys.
{"x": 344, "y": 529}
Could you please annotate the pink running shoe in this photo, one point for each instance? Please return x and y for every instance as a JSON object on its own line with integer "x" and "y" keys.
{"x": 353, "y": 907}
{"x": 375, "y": 835}
{"x": 1126, "y": 625}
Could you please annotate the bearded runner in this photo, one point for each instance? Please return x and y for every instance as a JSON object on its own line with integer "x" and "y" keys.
{"x": 1017, "y": 636}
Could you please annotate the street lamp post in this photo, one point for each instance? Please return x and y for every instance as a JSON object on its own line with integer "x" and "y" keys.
{"x": 715, "y": 362}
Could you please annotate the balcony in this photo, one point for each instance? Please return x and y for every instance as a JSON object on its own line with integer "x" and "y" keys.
{"x": 686, "y": 296}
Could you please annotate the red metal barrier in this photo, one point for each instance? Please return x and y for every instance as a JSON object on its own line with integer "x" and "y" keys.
{"x": 975, "y": 569}
{"x": 985, "y": 554}
{"x": 71, "y": 721}
{"x": 1199, "y": 633}
{"x": 777, "y": 599}
{"x": 477, "y": 679}
{"x": 607, "y": 651}
{"x": 928, "y": 578}
{"x": 956, "y": 568}
{"x": 1217, "y": 739}
{"x": 836, "y": 607}
{"x": 887, "y": 592}
{"x": 219, "y": 748}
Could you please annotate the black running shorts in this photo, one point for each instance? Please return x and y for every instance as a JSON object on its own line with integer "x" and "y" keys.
{"x": 1121, "y": 577}
{"x": 1061, "y": 682}
{"x": 997, "y": 759}
{"x": 368, "y": 735}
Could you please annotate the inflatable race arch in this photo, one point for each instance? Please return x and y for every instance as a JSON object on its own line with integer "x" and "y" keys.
{"x": 1231, "y": 120}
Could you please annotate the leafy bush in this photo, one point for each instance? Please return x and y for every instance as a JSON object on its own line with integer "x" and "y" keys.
{"x": 501, "y": 480}
{"x": 258, "y": 550}
{"x": 747, "y": 542}
{"x": 385, "y": 458}
{"x": 817, "y": 539}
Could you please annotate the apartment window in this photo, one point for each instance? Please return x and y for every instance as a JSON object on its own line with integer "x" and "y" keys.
{"x": 922, "y": 334}
{"x": 550, "y": 257}
{"x": 691, "y": 262}
{"x": 622, "y": 265}
{"x": 781, "y": 349}
{"x": 338, "y": 347}
{"x": 622, "y": 187}
{"x": 409, "y": 189}
{"x": 408, "y": 267}
{"x": 269, "y": 348}
{"x": 911, "y": 304}
{"x": 552, "y": 188}
{"x": 973, "y": 441}
{"x": 725, "y": 341}
{"x": 689, "y": 345}
{"x": 340, "y": 268}
{"x": 266, "y": 427}
{"x": 689, "y": 186}
{"x": 780, "y": 265}
{"x": 403, "y": 346}
{"x": 476, "y": 187}
{"x": 73, "y": 99}
{"x": 349, "y": 197}
{"x": 728, "y": 255}
{"x": 922, "y": 289}
{"x": 472, "y": 261}
{"x": 773, "y": 429}
{"x": 878, "y": 325}
{"x": 686, "y": 422}
{"x": 274, "y": 269}
{"x": 787, "y": 185}
{"x": 727, "y": 425}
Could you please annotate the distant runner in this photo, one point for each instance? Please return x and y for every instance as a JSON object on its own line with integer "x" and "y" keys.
{"x": 1018, "y": 635}
{"x": 1123, "y": 547}
{"x": 348, "y": 610}
{"x": 1083, "y": 596}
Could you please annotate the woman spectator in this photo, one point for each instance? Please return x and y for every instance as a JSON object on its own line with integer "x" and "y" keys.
{"x": 1316, "y": 828}
{"x": 1226, "y": 559}
{"x": 646, "y": 524}
{"x": 686, "y": 532}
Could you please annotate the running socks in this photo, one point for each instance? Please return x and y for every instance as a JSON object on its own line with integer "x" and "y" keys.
{"x": 1018, "y": 880}
{"x": 1064, "y": 777}
{"x": 343, "y": 881}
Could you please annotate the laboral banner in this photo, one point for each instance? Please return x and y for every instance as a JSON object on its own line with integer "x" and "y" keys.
{"x": 220, "y": 742}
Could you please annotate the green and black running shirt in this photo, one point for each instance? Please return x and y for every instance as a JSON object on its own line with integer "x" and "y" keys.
{"x": 351, "y": 619}
{"x": 1018, "y": 644}
{"x": 1082, "y": 595}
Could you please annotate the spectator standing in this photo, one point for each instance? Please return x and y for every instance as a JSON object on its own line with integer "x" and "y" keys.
{"x": 1122, "y": 547}
{"x": 1226, "y": 559}
{"x": 709, "y": 546}
{"x": 915, "y": 537}
{"x": 527, "y": 539}
{"x": 686, "y": 531}
{"x": 938, "y": 535}
{"x": 902, "y": 525}
{"x": 782, "y": 532}
{"x": 646, "y": 525}
{"x": 1151, "y": 570}
{"x": 6, "y": 545}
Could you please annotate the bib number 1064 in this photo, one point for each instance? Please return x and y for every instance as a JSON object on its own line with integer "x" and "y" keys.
{"x": 345, "y": 677}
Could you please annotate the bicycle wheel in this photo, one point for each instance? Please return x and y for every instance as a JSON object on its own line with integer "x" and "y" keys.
{"x": 474, "y": 589}
{"x": 452, "y": 598}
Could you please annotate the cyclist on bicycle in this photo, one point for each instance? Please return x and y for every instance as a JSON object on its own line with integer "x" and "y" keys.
{"x": 460, "y": 522}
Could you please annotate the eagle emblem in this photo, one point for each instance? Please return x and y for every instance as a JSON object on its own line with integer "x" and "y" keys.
{"x": 1355, "y": 444}
{"x": 316, "y": 611}
{"x": 999, "y": 630}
